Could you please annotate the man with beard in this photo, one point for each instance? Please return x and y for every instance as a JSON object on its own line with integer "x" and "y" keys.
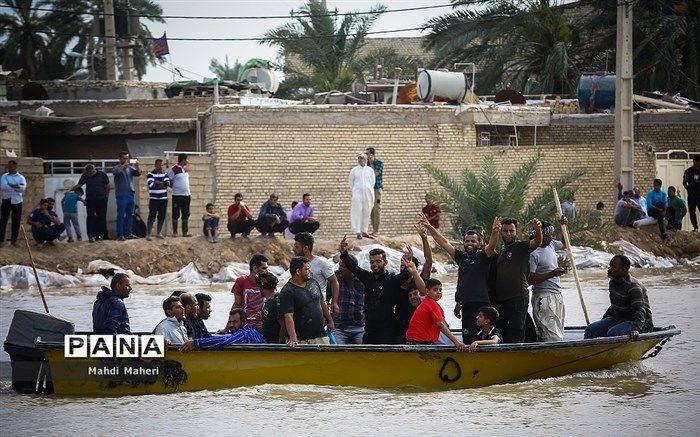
{"x": 511, "y": 289}
{"x": 321, "y": 271}
{"x": 381, "y": 291}
{"x": 191, "y": 308}
{"x": 203, "y": 312}
{"x": 474, "y": 264}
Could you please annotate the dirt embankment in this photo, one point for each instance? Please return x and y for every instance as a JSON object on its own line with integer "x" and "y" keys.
{"x": 163, "y": 256}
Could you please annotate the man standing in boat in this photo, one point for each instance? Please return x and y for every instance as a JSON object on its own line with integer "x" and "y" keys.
{"x": 474, "y": 265}
{"x": 247, "y": 293}
{"x": 547, "y": 301}
{"x": 321, "y": 271}
{"x": 629, "y": 312}
{"x": 511, "y": 291}
{"x": 299, "y": 303}
{"x": 381, "y": 291}
{"x": 109, "y": 315}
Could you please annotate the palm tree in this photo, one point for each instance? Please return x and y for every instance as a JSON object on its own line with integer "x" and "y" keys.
{"x": 525, "y": 43}
{"x": 42, "y": 42}
{"x": 321, "y": 43}
{"x": 477, "y": 198}
{"x": 389, "y": 58}
{"x": 24, "y": 43}
{"x": 225, "y": 71}
{"x": 666, "y": 43}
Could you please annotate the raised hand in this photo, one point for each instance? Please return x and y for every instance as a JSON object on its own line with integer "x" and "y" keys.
{"x": 421, "y": 230}
{"x": 408, "y": 254}
{"x": 343, "y": 247}
{"x": 536, "y": 223}
{"x": 408, "y": 263}
{"x": 496, "y": 225}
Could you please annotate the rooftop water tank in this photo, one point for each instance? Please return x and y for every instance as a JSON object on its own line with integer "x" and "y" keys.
{"x": 448, "y": 86}
{"x": 596, "y": 91}
{"x": 265, "y": 78}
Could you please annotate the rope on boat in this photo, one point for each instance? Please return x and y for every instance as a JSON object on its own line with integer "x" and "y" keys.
{"x": 444, "y": 376}
{"x": 656, "y": 349}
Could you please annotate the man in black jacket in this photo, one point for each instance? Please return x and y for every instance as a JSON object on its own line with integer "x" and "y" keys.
{"x": 109, "y": 315}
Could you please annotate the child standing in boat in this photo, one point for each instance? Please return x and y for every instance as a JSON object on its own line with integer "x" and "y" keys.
{"x": 429, "y": 319}
{"x": 489, "y": 334}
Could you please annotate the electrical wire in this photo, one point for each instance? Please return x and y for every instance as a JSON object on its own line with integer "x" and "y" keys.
{"x": 243, "y": 17}
{"x": 48, "y": 32}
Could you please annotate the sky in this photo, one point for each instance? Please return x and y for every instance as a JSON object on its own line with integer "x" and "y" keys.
{"x": 192, "y": 57}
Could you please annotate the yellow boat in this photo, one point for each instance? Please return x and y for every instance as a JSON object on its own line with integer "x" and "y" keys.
{"x": 41, "y": 366}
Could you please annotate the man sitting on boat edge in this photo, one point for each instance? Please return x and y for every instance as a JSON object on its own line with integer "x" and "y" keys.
{"x": 629, "y": 312}
{"x": 242, "y": 333}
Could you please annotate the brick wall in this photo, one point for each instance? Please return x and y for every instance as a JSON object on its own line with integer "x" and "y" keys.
{"x": 33, "y": 171}
{"x": 10, "y": 137}
{"x": 201, "y": 187}
{"x": 294, "y": 150}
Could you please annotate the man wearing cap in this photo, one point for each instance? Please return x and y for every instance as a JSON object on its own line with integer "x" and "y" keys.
{"x": 362, "y": 181}
{"x": 547, "y": 301}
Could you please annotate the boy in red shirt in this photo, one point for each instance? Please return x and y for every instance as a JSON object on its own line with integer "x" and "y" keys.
{"x": 432, "y": 211}
{"x": 429, "y": 319}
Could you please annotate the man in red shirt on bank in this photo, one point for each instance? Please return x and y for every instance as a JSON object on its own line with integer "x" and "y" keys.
{"x": 240, "y": 219}
{"x": 429, "y": 319}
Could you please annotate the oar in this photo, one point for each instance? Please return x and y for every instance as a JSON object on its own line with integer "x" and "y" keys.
{"x": 36, "y": 275}
{"x": 567, "y": 241}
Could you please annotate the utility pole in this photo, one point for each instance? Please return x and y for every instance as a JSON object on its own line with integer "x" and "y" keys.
{"x": 624, "y": 104}
{"x": 128, "y": 47}
{"x": 110, "y": 40}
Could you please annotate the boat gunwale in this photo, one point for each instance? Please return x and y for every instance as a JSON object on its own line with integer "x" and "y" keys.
{"x": 658, "y": 333}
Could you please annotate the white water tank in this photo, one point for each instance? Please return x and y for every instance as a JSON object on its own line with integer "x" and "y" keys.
{"x": 449, "y": 86}
{"x": 265, "y": 78}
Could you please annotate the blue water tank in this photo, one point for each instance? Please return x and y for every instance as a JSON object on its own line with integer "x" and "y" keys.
{"x": 596, "y": 91}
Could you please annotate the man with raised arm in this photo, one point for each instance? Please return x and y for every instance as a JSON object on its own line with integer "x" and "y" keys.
{"x": 474, "y": 265}
{"x": 381, "y": 291}
{"x": 511, "y": 291}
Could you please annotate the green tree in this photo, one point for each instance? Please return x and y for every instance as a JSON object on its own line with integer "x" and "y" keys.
{"x": 54, "y": 45}
{"x": 24, "y": 43}
{"x": 666, "y": 42}
{"x": 527, "y": 45}
{"x": 322, "y": 43}
{"x": 225, "y": 71}
{"x": 477, "y": 198}
{"x": 388, "y": 58}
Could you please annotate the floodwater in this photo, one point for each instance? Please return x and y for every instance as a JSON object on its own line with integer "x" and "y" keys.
{"x": 657, "y": 396}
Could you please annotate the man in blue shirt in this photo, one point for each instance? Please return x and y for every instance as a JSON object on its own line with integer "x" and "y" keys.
{"x": 241, "y": 333}
{"x": 12, "y": 185}
{"x": 271, "y": 218}
{"x": 657, "y": 202}
{"x": 124, "y": 190}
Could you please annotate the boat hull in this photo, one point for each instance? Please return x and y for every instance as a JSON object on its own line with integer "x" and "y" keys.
{"x": 405, "y": 366}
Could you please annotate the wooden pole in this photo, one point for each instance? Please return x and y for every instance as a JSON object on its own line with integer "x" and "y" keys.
{"x": 567, "y": 241}
{"x": 36, "y": 275}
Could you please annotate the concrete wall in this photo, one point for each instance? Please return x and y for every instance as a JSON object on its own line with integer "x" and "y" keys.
{"x": 10, "y": 138}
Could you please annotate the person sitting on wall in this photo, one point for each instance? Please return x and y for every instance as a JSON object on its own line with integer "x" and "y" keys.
{"x": 240, "y": 218}
{"x": 210, "y": 228}
{"x": 627, "y": 211}
{"x": 172, "y": 327}
{"x": 303, "y": 217}
{"x": 272, "y": 218}
{"x": 240, "y": 332}
{"x": 629, "y": 312}
{"x": 46, "y": 227}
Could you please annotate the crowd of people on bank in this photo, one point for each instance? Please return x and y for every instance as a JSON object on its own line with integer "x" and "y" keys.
{"x": 352, "y": 305}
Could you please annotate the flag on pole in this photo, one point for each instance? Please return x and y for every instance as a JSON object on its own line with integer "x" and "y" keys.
{"x": 160, "y": 46}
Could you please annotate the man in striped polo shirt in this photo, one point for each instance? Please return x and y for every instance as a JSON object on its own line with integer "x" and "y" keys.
{"x": 158, "y": 183}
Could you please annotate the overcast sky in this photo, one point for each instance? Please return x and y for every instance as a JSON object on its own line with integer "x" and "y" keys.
{"x": 192, "y": 57}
